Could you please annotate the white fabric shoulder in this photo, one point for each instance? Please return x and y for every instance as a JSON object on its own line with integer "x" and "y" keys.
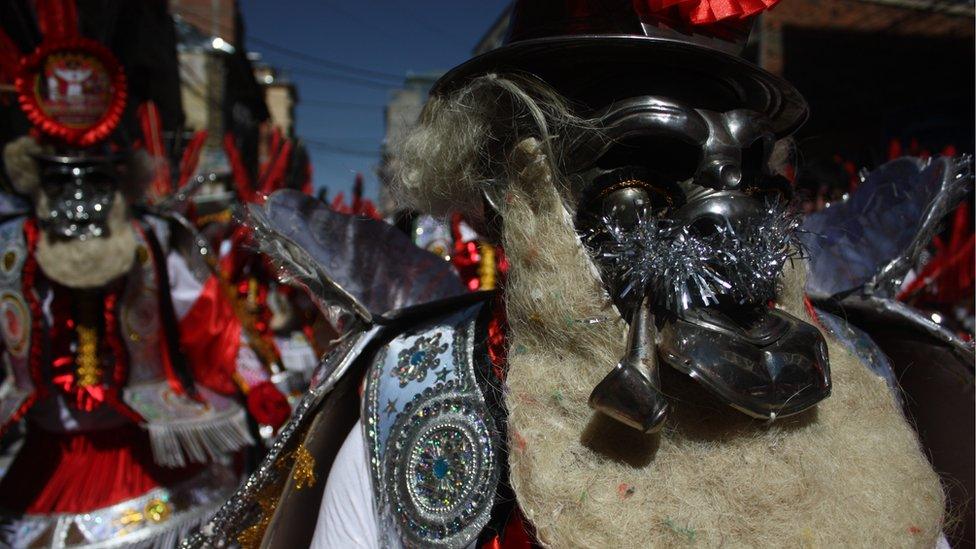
{"x": 184, "y": 287}
{"x": 347, "y": 517}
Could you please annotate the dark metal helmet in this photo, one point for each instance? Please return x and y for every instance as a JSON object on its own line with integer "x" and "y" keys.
{"x": 597, "y": 51}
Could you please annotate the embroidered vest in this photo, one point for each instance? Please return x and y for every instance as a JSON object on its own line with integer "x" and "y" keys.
{"x": 434, "y": 443}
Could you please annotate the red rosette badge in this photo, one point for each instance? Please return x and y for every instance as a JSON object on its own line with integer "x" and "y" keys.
{"x": 268, "y": 405}
{"x": 72, "y": 90}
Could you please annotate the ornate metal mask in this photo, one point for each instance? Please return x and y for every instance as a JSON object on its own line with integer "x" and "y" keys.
{"x": 690, "y": 230}
{"x": 79, "y": 194}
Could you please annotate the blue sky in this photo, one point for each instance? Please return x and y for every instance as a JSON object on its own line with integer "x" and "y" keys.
{"x": 342, "y": 120}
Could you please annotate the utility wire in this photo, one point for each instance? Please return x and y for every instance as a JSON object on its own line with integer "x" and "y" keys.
{"x": 351, "y": 80}
{"x": 404, "y": 9}
{"x": 325, "y": 104}
{"x": 329, "y": 147}
{"x": 328, "y": 63}
{"x": 308, "y": 58}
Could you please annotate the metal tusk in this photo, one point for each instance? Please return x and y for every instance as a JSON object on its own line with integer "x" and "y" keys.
{"x": 631, "y": 392}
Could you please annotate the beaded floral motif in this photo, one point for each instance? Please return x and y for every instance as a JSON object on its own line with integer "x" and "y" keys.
{"x": 414, "y": 362}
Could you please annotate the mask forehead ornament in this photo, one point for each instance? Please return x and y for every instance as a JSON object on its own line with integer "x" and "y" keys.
{"x": 73, "y": 91}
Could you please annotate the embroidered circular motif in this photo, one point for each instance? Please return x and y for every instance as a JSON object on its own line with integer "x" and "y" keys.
{"x": 438, "y": 465}
{"x": 14, "y": 323}
{"x": 11, "y": 263}
{"x": 440, "y": 470}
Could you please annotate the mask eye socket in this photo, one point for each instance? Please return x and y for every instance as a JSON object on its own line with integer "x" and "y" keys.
{"x": 655, "y": 193}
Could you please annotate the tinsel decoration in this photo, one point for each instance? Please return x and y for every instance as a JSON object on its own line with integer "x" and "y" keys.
{"x": 681, "y": 268}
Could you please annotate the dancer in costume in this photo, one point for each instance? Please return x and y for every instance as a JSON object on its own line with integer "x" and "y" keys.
{"x": 651, "y": 373}
{"x": 123, "y": 446}
{"x": 288, "y": 331}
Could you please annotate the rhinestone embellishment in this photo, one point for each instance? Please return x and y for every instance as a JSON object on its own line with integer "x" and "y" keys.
{"x": 438, "y": 466}
{"x": 440, "y": 476}
{"x": 435, "y": 458}
{"x": 414, "y": 362}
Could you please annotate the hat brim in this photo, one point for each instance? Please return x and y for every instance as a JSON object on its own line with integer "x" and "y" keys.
{"x": 597, "y": 69}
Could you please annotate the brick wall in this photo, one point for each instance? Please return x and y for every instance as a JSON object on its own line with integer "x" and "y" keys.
{"x": 881, "y": 16}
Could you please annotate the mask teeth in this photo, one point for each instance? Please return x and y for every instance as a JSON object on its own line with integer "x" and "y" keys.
{"x": 683, "y": 270}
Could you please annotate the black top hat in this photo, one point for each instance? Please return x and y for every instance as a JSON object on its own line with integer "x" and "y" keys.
{"x": 596, "y": 51}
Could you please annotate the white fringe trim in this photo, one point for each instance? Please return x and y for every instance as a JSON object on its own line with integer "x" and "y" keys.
{"x": 201, "y": 441}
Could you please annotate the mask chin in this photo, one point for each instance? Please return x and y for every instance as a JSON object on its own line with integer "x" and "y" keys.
{"x": 759, "y": 360}
{"x": 90, "y": 262}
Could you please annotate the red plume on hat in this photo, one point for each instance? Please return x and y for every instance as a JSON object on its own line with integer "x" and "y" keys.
{"x": 593, "y": 50}
{"x": 71, "y": 88}
{"x": 706, "y": 12}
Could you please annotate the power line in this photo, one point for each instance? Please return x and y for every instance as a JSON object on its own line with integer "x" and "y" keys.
{"x": 430, "y": 26}
{"x": 328, "y": 63}
{"x": 353, "y": 80}
{"x": 308, "y": 58}
{"x": 329, "y": 147}
{"x": 333, "y": 140}
{"x": 340, "y": 105}
{"x": 322, "y": 144}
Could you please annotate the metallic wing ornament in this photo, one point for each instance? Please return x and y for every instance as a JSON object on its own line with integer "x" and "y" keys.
{"x": 862, "y": 249}
{"x": 364, "y": 266}
{"x": 369, "y": 270}
{"x": 870, "y": 242}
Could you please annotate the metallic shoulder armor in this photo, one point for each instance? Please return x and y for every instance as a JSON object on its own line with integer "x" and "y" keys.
{"x": 433, "y": 443}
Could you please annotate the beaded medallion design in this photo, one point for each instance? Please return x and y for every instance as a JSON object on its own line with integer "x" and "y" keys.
{"x": 414, "y": 363}
{"x": 434, "y": 455}
{"x": 444, "y": 475}
{"x": 13, "y": 252}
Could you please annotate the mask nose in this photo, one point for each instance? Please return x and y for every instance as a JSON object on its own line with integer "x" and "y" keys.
{"x": 720, "y": 174}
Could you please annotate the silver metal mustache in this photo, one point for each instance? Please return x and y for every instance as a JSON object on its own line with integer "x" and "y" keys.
{"x": 680, "y": 266}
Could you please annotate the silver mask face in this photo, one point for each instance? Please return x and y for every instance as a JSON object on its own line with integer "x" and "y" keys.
{"x": 690, "y": 231}
{"x": 79, "y": 196}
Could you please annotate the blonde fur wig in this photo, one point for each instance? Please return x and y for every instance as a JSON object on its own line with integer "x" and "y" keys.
{"x": 847, "y": 473}
{"x": 21, "y": 167}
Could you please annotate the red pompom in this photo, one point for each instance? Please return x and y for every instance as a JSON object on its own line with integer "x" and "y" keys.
{"x": 268, "y": 405}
